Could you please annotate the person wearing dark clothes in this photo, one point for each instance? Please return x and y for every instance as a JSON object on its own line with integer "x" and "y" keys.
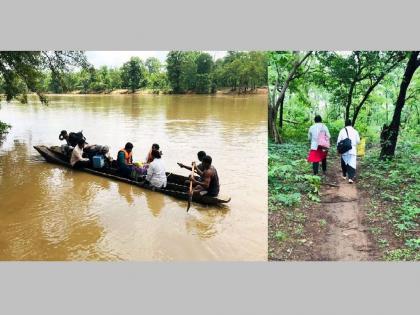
{"x": 199, "y": 168}
{"x": 209, "y": 183}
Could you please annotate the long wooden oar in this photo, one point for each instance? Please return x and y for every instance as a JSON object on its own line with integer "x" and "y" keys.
{"x": 190, "y": 192}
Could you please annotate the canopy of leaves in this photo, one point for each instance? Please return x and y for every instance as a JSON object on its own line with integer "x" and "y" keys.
{"x": 24, "y": 71}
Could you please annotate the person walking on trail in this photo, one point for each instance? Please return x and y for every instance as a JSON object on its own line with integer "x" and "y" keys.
{"x": 348, "y": 159}
{"x": 319, "y": 136}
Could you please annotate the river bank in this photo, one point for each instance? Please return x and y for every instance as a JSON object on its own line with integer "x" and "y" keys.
{"x": 225, "y": 91}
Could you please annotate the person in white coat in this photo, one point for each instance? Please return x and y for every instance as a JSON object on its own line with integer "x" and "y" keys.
{"x": 348, "y": 159}
{"x": 156, "y": 174}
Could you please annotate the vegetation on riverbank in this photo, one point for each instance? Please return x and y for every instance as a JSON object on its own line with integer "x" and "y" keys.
{"x": 183, "y": 72}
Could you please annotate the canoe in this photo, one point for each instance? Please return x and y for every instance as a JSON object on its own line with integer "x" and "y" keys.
{"x": 175, "y": 183}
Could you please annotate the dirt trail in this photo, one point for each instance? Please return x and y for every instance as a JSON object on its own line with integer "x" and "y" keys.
{"x": 346, "y": 238}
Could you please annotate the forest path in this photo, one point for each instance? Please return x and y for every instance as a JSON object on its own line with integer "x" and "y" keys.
{"x": 346, "y": 238}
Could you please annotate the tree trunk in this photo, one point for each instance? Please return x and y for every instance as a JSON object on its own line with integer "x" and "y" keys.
{"x": 349, "y": 100}
{"x": 389, "y": 135}
{"x": 272, "y": 125}
{"x": 281, "y": 110}
{"x": 275, "y": 103}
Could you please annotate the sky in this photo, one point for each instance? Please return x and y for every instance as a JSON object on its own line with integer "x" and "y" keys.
{"x": 117, "y": 58}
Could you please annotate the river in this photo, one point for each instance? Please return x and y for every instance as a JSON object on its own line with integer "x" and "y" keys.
{"x": 48, "y": 212}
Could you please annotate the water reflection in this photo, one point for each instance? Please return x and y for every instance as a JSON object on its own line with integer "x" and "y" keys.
{"x": 155, "y": 203}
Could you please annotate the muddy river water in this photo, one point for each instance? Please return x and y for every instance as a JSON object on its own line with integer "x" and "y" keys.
{"x": 48, "y": 212}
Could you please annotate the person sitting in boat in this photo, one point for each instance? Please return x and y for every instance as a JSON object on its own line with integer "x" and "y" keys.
{"x": 149, "y": 157}
{"x": 209, "y": 183}
{"x": 125, "y": 160}
{"x": 156, "y": 174}
{"x": 77, "y": 160}
{"x": 71, "y": 139}
{"x": 64, "y": 136}
{"x": 65, "y": 148}
{"x": 199, "y": 168}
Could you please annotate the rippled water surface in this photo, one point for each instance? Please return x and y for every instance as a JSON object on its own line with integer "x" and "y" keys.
{"x": 48, "y": 212}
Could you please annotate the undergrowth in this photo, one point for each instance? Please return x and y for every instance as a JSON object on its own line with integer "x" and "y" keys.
{"x": 292, "y": 191}
{"x": 394, "y": 189}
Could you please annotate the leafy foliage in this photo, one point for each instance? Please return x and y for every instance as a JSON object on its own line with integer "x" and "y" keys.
{"x": 394, "y": 187}
{"x": 24, "y": 71}
{"x": 184, "y": 72}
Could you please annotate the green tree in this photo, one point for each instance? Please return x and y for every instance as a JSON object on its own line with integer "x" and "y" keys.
{"x": 351, "y": 78}
{"x": 204, "y": 69}
{"x": 389, "y": 135}
{"x": 23, "y": 71}
{"x": 133, "y": 74}
{"x": 115, "y": 80}
{"x": 153, "y": 65}
{"x": 158, "y": 82}
{"x": 174, "y": 62}
{"x": 286, "y": 67}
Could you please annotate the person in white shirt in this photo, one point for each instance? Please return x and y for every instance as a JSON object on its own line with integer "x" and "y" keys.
{"x": 156, "y": 174}
{"x": 348, "y": 159}
{"x": 77, "y": 160}
{"x": 316, "y": 153}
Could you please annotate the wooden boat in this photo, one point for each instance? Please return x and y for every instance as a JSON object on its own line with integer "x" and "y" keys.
{"x": 175, "y": 183}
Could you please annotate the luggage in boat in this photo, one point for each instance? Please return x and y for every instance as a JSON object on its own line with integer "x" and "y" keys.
{"x": 98, "y": 161}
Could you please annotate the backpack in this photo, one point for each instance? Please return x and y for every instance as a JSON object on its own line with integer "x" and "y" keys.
{"x": 323, "y": 140}
{"x": 344, "y": 145}
{"x": 74, "y": 138}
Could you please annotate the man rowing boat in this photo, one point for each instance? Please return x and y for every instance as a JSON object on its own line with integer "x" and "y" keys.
{"x": 208, "y": 184}
{"x": 199, "y": 168}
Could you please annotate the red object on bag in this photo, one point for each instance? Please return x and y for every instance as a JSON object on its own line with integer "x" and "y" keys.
{"x": 323, "y": 140}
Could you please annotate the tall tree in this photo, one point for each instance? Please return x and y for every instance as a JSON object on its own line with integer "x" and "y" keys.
{"x": 204, "y": 68}
{"x": 133, "y": 74}
{"x": 153, "y": 65}
{"x": 352, "y": 77}
{"x": 174, "y": 61}
{"x": 389, "y": 135}
{"x": 286, "y": 66}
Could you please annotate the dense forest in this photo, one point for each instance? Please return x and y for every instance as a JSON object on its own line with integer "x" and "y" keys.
{"x": 380, "y": 93}
{"x": 182, "y": 72}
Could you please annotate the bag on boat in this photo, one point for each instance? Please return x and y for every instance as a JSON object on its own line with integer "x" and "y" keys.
{"x": 344, "y": 145}
{"x": 98, "y": 161}
{"x": 323, "y": 139}
{"x": 74, "y": 138}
